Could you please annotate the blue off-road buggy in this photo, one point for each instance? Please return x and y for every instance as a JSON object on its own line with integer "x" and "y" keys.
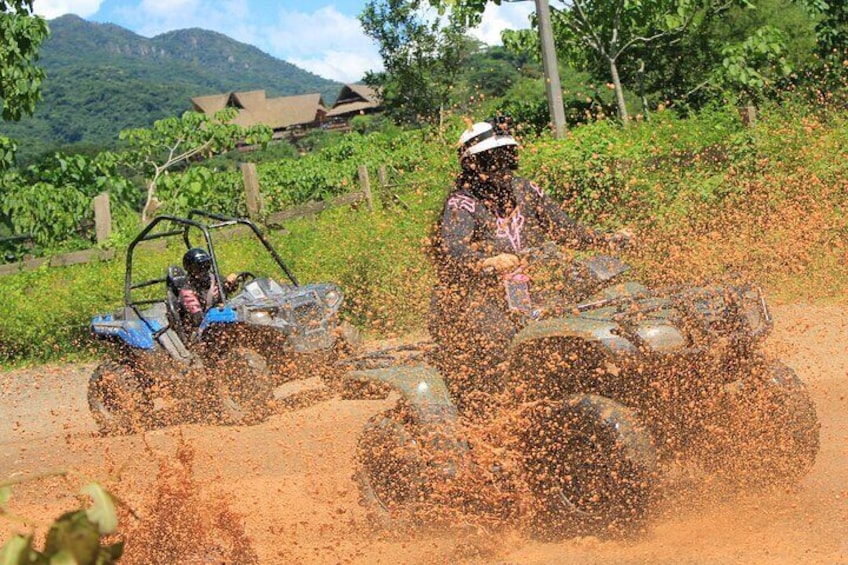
{"x": 166, "y": 369}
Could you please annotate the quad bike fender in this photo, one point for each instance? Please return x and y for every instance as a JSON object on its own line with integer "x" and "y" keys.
{"x": 651, "y": 334}
{"x": 421, "y": 386}
{"x": 601, "y": 332}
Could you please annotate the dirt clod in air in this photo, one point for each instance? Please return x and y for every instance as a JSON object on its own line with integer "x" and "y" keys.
{"x": 180, "y": 524}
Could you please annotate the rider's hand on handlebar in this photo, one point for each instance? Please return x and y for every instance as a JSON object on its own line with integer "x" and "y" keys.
{"x": 502, "y": 263}
{"x": 231, "y": 282}
{"x": 619, "y": 239}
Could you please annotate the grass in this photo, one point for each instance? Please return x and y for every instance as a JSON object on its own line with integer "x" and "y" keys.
{"x": 708, "y": 199}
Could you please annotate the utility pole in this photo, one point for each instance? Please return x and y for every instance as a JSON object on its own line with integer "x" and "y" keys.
{"x": 549, "y": 63}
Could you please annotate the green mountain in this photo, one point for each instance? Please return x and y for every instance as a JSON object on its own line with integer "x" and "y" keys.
{"x": 102, "y": 78}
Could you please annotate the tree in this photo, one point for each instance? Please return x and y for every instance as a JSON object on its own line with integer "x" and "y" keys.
{"x": 422, "y": 58}
{"x": 832, "y": 27}
{"x": 617, "y": 41}
{"x": 598, "y": 35}
{"x": 492, "y": 70}
{"x": 174, "y": 141}
{"x": 743, "y": 51}
{"x": 21, "y": 35}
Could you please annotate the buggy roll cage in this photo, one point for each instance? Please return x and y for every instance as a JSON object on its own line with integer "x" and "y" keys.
{"x": 184, "y": 225}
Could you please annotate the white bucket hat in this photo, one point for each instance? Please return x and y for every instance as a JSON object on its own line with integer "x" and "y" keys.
{"x": 482, "y": 137}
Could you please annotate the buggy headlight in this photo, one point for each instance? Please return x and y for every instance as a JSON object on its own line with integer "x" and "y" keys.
{"x": 260, "y": 317}
{"x": 333, "y": 297}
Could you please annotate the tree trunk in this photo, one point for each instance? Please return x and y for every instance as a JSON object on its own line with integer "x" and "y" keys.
{"x": 619, "y": 92}
{"x": 151, "y": 203}
{"x": 645, "y": 110}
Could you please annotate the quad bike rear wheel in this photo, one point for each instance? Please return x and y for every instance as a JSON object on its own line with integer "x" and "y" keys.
{"x": 591, "y": 467}
{"x": 243, "y": 388}
{"x": 117, "y": 400}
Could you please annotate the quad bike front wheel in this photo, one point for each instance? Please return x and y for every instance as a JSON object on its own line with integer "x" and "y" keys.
{"x": 590, "y": 465}
{"x": 390, "y": 469}
{"x": 242, "y": 387}
{"x": 117, "y": 400}
{"x": 766, "y": 433}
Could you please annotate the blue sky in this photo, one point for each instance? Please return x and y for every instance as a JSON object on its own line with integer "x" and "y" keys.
{"x": 321, "y": 36}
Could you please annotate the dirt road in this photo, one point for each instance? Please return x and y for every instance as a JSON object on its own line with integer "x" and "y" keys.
{"x": 290, "y": 478}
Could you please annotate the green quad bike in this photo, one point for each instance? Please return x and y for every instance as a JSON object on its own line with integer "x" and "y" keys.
{"x": 609, "y": 383}
{"x": 164, "y": 368}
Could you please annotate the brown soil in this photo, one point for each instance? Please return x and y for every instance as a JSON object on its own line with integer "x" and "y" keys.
{"x": 281, "y": 492}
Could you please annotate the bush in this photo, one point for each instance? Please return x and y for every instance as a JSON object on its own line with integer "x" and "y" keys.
{"x": 706, "y": 196}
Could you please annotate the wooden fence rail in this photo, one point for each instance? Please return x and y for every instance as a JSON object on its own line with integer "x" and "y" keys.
{"x": 255, "y": 210}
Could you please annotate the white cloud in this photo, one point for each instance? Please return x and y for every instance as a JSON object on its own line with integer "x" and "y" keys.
{"x": 512, "y": 15}
{"x": 325, "y": 42}
{"x": 54, "y": 8}
{"x": 341, "y": 66}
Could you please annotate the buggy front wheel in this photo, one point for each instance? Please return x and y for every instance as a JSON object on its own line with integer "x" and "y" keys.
{"x": 243, "y": 388}
{"x": 117, "y": 399}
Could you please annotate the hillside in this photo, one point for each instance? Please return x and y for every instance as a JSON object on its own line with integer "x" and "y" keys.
{"x": 102, "y": 78}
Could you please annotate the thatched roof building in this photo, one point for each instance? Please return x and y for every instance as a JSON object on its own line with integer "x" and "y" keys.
{"x": 291, "y": 113}
{"x": 355, "y": 99}
{"x": 254, "y": 108}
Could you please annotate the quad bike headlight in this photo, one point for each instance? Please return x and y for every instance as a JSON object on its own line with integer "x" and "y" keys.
{"x": 333, "y": 298}
{"x": 755, "y": 312}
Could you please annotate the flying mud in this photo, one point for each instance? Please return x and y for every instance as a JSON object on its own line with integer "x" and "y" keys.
{"x": 283, "y": 491}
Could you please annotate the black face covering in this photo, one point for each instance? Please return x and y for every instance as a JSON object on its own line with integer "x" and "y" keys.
{"x": 488, "y": 175}
{"x": 498, "y": 159}
{"x": 200, "y": 278}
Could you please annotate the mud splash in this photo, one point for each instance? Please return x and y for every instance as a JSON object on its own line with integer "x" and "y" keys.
{"x": 180, "y": 524}
{"x": 290, "y": 479}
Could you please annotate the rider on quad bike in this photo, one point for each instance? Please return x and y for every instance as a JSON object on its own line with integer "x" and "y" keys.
{"x": 606, "y": 383}
{"x": 490, "y": 217}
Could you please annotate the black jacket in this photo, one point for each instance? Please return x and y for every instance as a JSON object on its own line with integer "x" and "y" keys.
{"x": 474, "y": 227}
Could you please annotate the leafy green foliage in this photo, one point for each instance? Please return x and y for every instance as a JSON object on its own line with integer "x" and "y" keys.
{"x": 74, "y": 538}
{"x": 21, "y": 35}
{"x": 756, "y": 63}
{"x": 422, "y": 59}
{"x": 606, "y": 37}
{"x": 8, "y": 149}
{"x": 174, "y": 141}
{"x": 831, "y": 28}
{"x": 52, "y": 199}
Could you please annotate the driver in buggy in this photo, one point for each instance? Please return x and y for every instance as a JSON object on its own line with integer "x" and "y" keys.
{"x": 198, "y": 290}
{"x": 490, "y": 217}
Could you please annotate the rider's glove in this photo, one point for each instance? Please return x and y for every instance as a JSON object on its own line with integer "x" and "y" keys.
{"x": 503, "y": 263}
{"x": 619, "y": 239}
{"x": 231, "y": 282}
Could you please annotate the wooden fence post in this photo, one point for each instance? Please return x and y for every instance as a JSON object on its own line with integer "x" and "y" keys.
{"x": 389, "y": 198}
{"x": 102, "y": 217}
{"x": 383, "y": 176}
{"x": 252, "y": 195}
{"x": 751, "y": 111}
{"x": 366, "y": 186}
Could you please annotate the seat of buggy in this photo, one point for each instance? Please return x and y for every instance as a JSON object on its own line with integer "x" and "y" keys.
{"x": 175, "y": 279}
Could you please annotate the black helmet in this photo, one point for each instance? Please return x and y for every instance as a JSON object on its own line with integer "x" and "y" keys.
{"x": 197, "y": 261}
